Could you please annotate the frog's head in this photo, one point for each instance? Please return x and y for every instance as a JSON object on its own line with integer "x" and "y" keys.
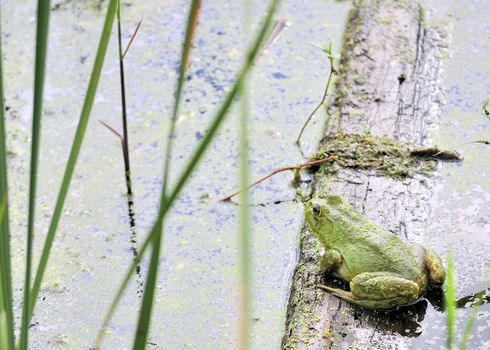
{"x": 320, "y": 213}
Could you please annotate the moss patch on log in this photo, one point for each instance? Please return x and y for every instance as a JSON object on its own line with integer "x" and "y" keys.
{"x": 375, "y": 153}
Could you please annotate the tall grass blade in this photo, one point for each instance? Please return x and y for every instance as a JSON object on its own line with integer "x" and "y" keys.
{"x": 6, "y": 310}
{"x": 75, "y": 150}
{"x": 148, "y": 296}
{"x": 450, "y": 301}
{"x": 167, "y": 201}
{"x": 43, "y": 10}
{"x": 244, "y": 215}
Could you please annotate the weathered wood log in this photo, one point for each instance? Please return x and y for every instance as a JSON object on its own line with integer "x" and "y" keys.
{"x": 389, "y": 85}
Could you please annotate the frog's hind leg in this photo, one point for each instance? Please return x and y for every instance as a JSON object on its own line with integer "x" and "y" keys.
{"x": 379, "y": 290}
{"x": 368, "y": 304}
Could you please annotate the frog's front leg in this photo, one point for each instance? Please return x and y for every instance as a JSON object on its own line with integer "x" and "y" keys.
{"x": 330, "y": 261}
{"x": 378, "y": 290}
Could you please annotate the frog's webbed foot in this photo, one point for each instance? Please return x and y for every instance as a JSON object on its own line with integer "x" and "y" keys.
{"x": 330, "y": 261}
{"x": 378, "y": 290}
{"x": 434, "y": 265}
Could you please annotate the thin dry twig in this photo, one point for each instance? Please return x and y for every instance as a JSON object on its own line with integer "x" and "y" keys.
{"x": 279, "y": 170}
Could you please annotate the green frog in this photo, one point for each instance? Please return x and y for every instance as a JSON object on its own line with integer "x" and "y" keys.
{"x": 384, "y": 271}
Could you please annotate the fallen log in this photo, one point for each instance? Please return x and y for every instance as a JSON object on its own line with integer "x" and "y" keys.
{"x": 389, "y": 85}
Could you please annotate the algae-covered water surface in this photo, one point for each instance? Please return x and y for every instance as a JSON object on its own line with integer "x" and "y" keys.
{"x": 461, "y": 203}
{"x": 197, "y": 298}
{"x": 197, "y": 293}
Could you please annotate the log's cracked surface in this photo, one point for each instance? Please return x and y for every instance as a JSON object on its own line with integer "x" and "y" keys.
{"x": 389, "y": 85}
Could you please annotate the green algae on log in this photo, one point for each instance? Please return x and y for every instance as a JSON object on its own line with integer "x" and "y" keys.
{"x": 369, "y": 152}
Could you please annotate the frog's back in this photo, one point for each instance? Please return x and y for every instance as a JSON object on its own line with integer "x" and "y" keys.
{"x": 367, "y": 247}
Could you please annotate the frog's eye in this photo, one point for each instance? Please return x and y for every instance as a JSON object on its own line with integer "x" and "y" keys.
{"x": 316, "y": 210}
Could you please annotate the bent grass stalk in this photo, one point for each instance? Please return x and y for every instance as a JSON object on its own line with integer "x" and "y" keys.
{"x": 74, "y": 152}
{"x": 167, "y": 201}
{"x": 43, "y": 10}
{"x": 6, "y": 309}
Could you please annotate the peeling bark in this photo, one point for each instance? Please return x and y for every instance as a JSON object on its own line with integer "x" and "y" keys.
{"x": 389, "y": 85}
